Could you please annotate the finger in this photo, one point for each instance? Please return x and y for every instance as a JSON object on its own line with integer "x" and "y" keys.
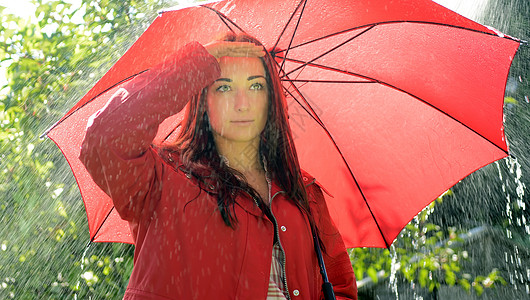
{"x": 242, "y": 46}
{"x": 237, "y": 49}
{"x": 257, "y": 52}
{"x": 251, "y": 52}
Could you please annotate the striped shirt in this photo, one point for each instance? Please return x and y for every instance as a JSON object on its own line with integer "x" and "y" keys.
{"x": 277, "y": 289}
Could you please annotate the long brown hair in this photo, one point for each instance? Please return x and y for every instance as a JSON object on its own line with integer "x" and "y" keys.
{"x": 198, "y": 152}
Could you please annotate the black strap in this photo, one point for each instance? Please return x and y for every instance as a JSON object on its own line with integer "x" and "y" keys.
{"x": 327, "y": 288}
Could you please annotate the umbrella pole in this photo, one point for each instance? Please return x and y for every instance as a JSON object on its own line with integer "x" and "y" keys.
{"x": 327, "y": 287}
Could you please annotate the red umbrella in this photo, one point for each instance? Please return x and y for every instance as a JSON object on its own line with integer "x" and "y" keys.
{"x": 391, "y": 102}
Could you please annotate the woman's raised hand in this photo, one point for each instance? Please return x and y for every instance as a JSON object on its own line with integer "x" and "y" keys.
{"x": 219, "y": 49}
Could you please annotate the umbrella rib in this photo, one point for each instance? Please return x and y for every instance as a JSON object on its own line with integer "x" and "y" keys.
{"x": 319, "y": 122}
{"x": 224, "y": 18}
{"x": 294, "y": 33}
{"x": 312, "y": 113}
{"x": 327, "y": 81}
{"x": 307, "y": 111}
{"x": 328, "y": 51}
{"x": 395, "y": 22}
{"x": 100, "y": 226}
{"x": 304, "y": 63}
{"x": 101, "y": 93}
{"x": 317, "y": 119}
{"x": 288, "y": 22}
{"x": 373, "y": 80}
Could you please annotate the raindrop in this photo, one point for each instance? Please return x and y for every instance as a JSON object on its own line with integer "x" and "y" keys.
{"x": 393, "y": 271}
{"x": 82, "y": 268}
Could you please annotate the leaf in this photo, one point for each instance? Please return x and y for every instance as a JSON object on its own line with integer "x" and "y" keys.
{"x": 433, "y": 285}
{"x": 464, "y": 283}
{"x": 478, "y": 288}
{"x": 450, "y": 278}
{"x": 510, "y": 100}
{"x": 372, "y": 273}
{"x": 423, "y": 277}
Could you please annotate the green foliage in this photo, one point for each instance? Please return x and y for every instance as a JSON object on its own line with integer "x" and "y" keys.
{"x": 50, "y": 61}
{"x": 426, "y": 254}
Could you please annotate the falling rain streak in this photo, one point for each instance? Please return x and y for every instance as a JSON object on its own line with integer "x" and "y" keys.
{"x": 513, "y": 259}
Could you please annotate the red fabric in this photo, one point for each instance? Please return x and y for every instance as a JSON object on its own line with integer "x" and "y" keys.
{"x": 422, "y": 109}
{"x": 183, "y": 248}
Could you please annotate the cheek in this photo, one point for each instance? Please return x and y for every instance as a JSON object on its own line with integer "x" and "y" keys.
{"x": 264, "y": 109}
{"x": 216, "y": 109}
{"x": 211, "y": 110}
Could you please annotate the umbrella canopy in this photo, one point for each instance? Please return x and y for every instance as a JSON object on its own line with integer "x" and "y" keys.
{"x": 390, "y": 102}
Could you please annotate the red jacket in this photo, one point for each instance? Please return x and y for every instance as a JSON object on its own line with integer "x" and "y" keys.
{"x": 184, "y": 250}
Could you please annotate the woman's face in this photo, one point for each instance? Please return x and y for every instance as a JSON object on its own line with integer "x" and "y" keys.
{"x": 237, "y": 102}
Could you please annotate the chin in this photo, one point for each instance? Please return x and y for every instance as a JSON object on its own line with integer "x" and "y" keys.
{"x": 242, "y": 139}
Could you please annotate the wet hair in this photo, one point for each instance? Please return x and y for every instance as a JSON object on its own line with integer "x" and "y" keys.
{"x": 198, "y": 154}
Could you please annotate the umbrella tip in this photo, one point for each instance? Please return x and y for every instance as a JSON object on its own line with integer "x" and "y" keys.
{"x": 44, "y": 134}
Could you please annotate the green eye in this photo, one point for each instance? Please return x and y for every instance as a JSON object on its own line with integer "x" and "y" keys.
{"x": 256, "y": 86}
{"x": 223, "y": 88}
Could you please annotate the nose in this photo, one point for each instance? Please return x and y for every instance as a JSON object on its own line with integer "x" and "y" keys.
{"x": 242, "y": 101}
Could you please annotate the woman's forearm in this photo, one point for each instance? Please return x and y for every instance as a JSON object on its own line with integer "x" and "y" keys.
{"x": 116, "y": 149}
{"x": 129, "y": 121}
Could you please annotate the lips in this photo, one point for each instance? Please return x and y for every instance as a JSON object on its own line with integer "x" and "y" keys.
{"x": 242, "y": 121}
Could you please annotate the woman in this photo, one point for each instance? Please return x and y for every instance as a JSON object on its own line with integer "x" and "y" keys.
{"x": 224, "y": 212}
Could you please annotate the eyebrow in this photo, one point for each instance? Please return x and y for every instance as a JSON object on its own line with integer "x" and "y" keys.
{"x": 249, "y": 78}
{"x": 255, "y": 76}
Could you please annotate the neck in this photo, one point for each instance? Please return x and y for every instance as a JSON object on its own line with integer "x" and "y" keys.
{"x": 241, "y": 156}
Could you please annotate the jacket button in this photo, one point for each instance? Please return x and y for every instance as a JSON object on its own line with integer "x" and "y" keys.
{"x": 296, "y": 292}
{"x": 283, "y": 228}
{"x": 305, "y": 178}
{"x": 188, "y": 176}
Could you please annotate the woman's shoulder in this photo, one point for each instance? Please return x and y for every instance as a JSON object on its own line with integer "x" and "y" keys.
{"x": 307, "y": 178}
{"x": 313, "y": 186}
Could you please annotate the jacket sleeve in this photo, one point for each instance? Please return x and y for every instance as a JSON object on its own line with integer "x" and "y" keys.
{"x": 117, "y": 149}
{"x": 336, "y": 258}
